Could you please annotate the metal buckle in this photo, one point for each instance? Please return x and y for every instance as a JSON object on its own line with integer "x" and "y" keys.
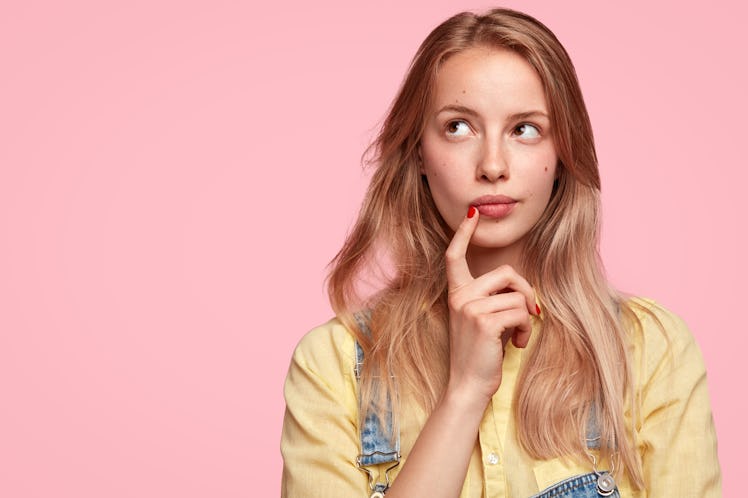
{"x": 606, "y": 484}
{"x": 372, "y": 483}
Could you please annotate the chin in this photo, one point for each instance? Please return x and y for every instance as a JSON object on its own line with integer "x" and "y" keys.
{"x": 492, "y": 241}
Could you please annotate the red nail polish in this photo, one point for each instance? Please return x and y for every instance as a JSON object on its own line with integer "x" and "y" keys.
{"x": 471, "y": 211}
{"x": 537, "y": 309}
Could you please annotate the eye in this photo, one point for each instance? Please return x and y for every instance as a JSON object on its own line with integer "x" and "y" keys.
{"x": 526, "y": 130}
{"x": 457, "y": 128}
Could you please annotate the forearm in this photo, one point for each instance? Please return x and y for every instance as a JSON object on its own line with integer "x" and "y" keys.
{"x": 437, "y": 465}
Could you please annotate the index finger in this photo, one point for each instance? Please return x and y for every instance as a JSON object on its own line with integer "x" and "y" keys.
{"x": 458, "y": 272}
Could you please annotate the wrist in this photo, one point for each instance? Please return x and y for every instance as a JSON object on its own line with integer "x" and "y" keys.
{"x": 465, "y": 400}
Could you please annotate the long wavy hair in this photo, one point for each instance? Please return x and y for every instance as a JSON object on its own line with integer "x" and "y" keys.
{"x": 579, "y": 363}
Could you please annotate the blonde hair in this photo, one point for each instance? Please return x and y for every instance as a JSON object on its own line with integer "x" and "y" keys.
{"x": 580, "y": 362}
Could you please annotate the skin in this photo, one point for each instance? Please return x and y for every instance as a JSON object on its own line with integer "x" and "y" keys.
{"x": 489, "y": 148}
{"x": 484, "y": 150}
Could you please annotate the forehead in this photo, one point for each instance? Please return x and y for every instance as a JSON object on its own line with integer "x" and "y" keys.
{"x": 486, "y": 77}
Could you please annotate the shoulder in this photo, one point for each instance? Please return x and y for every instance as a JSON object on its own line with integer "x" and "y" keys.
{"x": 327, "y": 350}
{"x": 661, "y": 340}
{"x": 658, "y": 325}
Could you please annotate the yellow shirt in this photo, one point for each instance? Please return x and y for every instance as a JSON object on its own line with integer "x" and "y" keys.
{"x": 675, "y": 437}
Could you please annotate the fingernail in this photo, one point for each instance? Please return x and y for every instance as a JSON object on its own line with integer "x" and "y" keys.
{"x": 471, "y": 211}
{"x": 537, "y": 309}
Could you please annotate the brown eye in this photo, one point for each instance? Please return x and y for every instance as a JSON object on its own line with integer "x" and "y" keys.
{"x": 457, "y": 128}
{"x": 526, "y": 130}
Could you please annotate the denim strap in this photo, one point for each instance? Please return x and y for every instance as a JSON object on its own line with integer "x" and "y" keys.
{"x": 592, "y": 435}
{"x": 377, "y": 442}
{"x": 380, "y": 443}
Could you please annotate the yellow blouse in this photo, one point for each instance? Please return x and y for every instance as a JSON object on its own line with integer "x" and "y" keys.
{"x": 675, "y": 436}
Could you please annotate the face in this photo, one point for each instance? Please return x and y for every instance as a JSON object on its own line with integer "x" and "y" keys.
{"x": 487, "y": 143}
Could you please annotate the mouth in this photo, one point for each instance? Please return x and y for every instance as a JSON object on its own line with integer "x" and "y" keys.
{"x": 494, "y": 206}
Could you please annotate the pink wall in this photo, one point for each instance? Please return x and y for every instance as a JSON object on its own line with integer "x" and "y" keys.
{"x": 174, "y": 176}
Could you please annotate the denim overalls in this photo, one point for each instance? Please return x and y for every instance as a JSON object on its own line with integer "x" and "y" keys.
{"x": 378, "y": 447}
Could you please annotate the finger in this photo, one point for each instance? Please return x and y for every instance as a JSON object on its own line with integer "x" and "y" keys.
{"x": 517, "y": 321}
{"x": 458, "y": 272}
{"x": 494, "y": 310}
{"x": 505, "y": 277}
{"x": 514, "y": 322}
{"x": 495, "y": 303}
{"x": 521, "y": 336}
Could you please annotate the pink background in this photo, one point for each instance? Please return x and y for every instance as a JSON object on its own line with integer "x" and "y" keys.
{"x": 174, "y": 177}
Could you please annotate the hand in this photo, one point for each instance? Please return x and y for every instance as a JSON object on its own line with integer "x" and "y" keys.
{"x": 484, "y": 313}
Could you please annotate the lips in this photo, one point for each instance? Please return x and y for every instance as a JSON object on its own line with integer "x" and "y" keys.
{"x": 494, "y": 206}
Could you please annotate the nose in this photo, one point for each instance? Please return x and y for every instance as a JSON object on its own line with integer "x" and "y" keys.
{"x": 493, "y": 164}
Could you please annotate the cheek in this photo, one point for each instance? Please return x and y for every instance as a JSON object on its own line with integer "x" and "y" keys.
{"x": 444, "y": 186}
{"x": 544, "y": 183}
{"x": 438, "y": 166}
{"x": 433, "y": 158}
{"x": 547, "y": 174}
{"x": 538, "y": 180}
{"x": 448, "y": 163}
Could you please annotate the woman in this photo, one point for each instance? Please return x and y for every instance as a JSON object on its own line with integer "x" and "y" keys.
{"x": 493, "y": 359}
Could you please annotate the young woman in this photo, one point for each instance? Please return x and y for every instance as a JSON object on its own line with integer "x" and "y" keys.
{"x": 494, "y": 359}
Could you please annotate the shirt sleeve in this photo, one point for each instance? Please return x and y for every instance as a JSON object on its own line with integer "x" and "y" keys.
{"x": 320, "y": 440}
{"x": 676, "y": 437}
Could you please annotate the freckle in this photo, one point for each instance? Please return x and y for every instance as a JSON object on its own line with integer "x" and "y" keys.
{"x": 463, "y": 91}
{"x": 546, "y": 168}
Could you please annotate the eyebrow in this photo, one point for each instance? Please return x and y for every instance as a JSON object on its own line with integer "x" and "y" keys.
{"x": 472, "y": 112}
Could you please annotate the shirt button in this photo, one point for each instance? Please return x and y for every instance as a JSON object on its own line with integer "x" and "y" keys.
{"x": 493, "y": 458}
